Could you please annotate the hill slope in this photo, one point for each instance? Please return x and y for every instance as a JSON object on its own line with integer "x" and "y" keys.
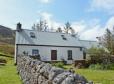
{"x": 7, "y": 35}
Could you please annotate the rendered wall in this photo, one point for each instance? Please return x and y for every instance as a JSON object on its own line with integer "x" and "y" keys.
{"x": 45, "y": 52}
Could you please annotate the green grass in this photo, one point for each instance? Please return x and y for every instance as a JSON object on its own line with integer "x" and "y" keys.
{"x": 8, "y": 73}
{"x": 7, "y": 49}
{"x": 97, "y": 76}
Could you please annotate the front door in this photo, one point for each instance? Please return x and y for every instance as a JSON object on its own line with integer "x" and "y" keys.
{"x": 53, "y": 54}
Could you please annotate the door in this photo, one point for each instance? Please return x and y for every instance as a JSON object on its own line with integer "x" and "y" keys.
{"x": 53, "y": 54}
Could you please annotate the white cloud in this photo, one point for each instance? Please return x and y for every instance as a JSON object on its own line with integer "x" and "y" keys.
{"x": 92, "y": 33}
{"x": 97, "y": 30}
{"x": 79, "y": 26}
{"x": 50, "y": 20}
{"x": 102, "y": 5}
{"x": 45, "y": 1}
{"x": 110, "y": 23}
{"x": 87, "y": 30}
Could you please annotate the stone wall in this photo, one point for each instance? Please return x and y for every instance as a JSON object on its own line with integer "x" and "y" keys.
{"x": 33, "y": 71}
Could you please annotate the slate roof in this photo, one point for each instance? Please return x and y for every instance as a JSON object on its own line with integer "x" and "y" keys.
{"x": 46, "y": 38}
{"x": 88, "y": 44}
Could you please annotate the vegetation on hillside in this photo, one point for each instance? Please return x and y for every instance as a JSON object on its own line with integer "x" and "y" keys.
{"x": 7, "y": 50}
{"x": 7, "y": 35}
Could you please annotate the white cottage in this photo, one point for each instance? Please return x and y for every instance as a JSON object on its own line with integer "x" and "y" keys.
{"x": 51, "y": 46}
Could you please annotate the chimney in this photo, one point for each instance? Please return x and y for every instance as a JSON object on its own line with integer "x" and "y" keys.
{"x": 19, "y": 27}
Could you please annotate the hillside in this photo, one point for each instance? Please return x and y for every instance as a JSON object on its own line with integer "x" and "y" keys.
{"x": 7, "y": 35}
{"x": 7, "y": 41}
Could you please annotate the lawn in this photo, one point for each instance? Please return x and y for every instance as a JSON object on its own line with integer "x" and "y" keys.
{"x": 97, "y": 76}
{"x": 8, "y": 73}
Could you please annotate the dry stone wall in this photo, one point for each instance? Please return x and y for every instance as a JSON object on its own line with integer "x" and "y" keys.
{"x": 33, "y": 71}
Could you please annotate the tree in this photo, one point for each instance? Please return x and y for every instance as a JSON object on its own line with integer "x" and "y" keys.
{"x": 72, "y": 30}
{"x": 108, "y": 41}
{"x": 59, "y": 29}
{"x": 45, "y": 26}
{"x": 40, "y": 26}
{"x": 98, "y": 55}
{"x": 67, "y": 27}
{"x": 34, "y": 27}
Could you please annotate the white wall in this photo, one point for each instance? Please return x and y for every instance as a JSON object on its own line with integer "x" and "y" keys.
{"x": 45, "y": 52}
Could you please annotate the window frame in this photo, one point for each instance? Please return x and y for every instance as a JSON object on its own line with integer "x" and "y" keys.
{"x": 34, "y": 50}
{"x": 81, "y": 49}
{"x": 32, "y": 35}
{"x": 69, "y": 53}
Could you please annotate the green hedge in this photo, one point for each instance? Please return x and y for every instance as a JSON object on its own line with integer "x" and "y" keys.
{"x": 102, "y": 66}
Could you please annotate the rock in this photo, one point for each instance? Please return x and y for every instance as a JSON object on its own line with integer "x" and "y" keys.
{"x": 59, "y": 78}
{"x": 45, "y": 70}
{"x": 54, "y": 72}
{"x": 33, "y": 71}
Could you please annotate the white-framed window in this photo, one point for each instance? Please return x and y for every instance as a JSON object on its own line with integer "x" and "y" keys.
{"x": 35, "y": 52}
{"x": 63, "y": 37}
{"x": 32, "y": 34}
{"x": 69, "y": 54}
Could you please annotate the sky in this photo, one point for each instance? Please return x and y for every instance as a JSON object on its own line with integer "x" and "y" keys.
{"x": 89, "y": 18}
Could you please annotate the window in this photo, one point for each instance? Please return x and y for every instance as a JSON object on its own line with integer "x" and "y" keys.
{"x": 35, "y": 52}
{"x": 84, "y": 55}
{"x": 69, "y": 54}
{"x": 73, "y": 35}
{"x": 81, "y": 49}
{"x": 63, "y": 37}
{"x": 32, "y": 35}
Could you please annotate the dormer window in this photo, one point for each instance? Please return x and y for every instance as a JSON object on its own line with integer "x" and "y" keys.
{"x": 73, "y": 35}
{"x": 63, "y": 37}
{"x": 32, "y": 34}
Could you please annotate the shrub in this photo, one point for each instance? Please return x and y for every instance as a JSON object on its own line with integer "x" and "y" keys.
{"x": 59, "y": 64}
{"x": 110, "y": 66}
{"x": 64, "y": 61}
{"x": 2, "y": 60}
{"x": 7, "y": 49}
{"x": 102, "y": 66}
{"x": 92, "y": 66}
{"x": 87, "y": 63}
{"x": 98, "y": 67}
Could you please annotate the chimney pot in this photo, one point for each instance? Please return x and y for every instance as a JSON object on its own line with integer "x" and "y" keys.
{"x": 19, "y": 27}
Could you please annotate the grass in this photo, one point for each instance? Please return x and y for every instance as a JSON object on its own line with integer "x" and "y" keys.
{"x": 97, "y": 76}
{"x": 7, "y": 49}
{"x": 8, "y": 73}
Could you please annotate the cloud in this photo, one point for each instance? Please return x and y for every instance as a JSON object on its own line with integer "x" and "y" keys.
{"x": 79, "y": 26}
{"x": 102, "y": 5}
{"x": 96, "y": 30}
{"x": 92, "y": 33}
{"x": 87, "y": 30}
{"x": 110, "y": 23}
{"x": 50, "y": 20}
{"x": 45, "y": 1}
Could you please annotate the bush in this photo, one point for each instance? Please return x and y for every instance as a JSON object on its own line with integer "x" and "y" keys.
{"x": 2, "y": 60}
{"x": 92, "y": 66}
{"x": 87, "y": 63}
{"x": 59, "y": 64}
{"x": 102, "y": 66}
{"x": 110, "y": 66}
{"x": 7, "y": 49}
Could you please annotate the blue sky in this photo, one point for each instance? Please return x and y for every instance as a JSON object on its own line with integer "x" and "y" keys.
{"x": 89, "y": 18}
